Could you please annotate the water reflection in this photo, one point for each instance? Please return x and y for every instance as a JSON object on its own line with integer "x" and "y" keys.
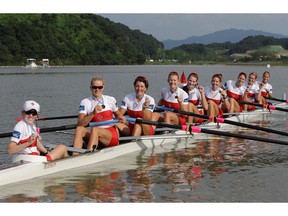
{"x": 100, "y": 189}
{"x": 190, "y": 174}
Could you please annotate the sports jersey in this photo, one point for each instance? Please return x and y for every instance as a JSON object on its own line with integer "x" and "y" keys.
{"x": 266, "y": 86}
{"x": 21, "y": 134}
{"x": 109, "y": 103}
{"x": 170, "y": 98}
{"x": 233, "y": 91}
{"x": 213, "y": 95}
{"x": 194, "y": 96}
{"x": 253, "y": 90}
{"x": 134, "y": 107}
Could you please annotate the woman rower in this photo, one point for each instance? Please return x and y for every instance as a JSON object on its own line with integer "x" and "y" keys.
{"x": 26, "y": 140}
{"x": 194, "y": 98}
{"x": 97, "y": 108}
{"x": 175, "y": 98}
{"x": 235, "y": 91}
{"x": 251, "y": 93}
{"x": 212, "y": 97}
{"x": 265, "y": 88}
{"x": 137, "y": 105}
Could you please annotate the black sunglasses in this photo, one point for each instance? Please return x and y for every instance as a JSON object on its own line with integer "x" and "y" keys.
{"x": 97, "y": 87}
{"x": 33, "y": 112}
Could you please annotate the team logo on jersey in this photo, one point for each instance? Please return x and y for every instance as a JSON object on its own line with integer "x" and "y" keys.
{"x": 81, "y": 107}
{"x": 99, "y": 118}
{"x": 123, "y": 103}
{"x": 186, "y": 99}
{"x": 16, "y": 134}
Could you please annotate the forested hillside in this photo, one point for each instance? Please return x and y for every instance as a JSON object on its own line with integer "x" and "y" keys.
{"x": 72, "y": 39}
{"x": 250, "y": 49}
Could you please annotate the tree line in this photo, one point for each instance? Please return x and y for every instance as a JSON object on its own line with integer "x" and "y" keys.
{"x": 72, "y": 39}
{"x": 255, "y": 47}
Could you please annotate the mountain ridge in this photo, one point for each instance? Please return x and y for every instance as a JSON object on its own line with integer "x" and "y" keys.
{"x": 229, "y": 35}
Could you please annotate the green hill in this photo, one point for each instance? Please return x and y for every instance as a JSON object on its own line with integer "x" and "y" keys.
{"x": 72, "y": 39}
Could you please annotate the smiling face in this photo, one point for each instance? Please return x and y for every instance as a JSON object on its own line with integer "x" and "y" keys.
{"x": 241, "y": 79}
{"x": 266, "y": 77}
{"x": 251, "y": 79}
{"x": 173, "y": 81}
{"x": 30, "y": 116}
{"x": 97, "y": 88}
{"x": 192, "y": 82}
{"x": 216, "y": 83}
{"x": 140, "y": 89}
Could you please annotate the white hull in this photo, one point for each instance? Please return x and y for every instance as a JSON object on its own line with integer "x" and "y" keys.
{"x": 29, "y": 170}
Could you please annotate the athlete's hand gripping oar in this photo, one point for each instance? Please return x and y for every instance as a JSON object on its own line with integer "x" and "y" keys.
{"x": 265, "y": 106}
{"x": 65, "y": 127}
{"x": 51, "y": 118}
{"x": 222, "y": 120}
{"x": 196, "y": 129}
{"x": 276, "y": 99}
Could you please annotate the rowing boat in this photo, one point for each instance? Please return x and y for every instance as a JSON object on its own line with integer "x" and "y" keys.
{"x": 26, "y": 167}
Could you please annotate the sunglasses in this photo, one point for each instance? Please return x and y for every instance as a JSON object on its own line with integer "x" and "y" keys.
{"x": 33, "y": 112}
{"x": 97, "y": 87}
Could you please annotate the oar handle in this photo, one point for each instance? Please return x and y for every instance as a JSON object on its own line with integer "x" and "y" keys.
{"x": 93, "y": 124}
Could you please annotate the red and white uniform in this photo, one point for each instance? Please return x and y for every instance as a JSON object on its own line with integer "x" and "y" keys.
{"x": 21, "y": 134}
{"x": 215, "y": 96}
{"x": 134, "y": 107}
{"x": 233, "y": 91}
{"x": 253, "y": 90}
{"x": 87, "y": 106}
{"x": 194, "y": 96}
{"x": 266, "y": 86}
{"x": 169, "y": 99}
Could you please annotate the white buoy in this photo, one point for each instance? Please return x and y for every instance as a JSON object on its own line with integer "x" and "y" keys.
{"x": 268, "y": 65}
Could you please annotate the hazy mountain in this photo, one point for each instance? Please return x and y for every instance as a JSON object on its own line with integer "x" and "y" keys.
{"x": 231, "y": 35}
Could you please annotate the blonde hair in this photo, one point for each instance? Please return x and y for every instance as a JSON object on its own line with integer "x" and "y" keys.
{"x": 253, "y": 73}
{"x": 96, "y": 79}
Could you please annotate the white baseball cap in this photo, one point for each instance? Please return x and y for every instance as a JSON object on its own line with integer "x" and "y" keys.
{"x": 30, "y": 104}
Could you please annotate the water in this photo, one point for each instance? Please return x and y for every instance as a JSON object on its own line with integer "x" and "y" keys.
{"x": 218, "y": 170}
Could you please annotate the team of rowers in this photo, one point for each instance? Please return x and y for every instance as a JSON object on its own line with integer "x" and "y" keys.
{"x": 214, "y": 100}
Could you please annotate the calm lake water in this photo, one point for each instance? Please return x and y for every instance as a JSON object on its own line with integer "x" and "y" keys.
{"x": 218, "y": 170}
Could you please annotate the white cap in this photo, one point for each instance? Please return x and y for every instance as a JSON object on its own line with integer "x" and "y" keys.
{"x": 30, "y": 104}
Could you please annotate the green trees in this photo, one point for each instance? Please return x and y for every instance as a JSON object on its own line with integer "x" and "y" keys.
{"x": 72, "y": 39}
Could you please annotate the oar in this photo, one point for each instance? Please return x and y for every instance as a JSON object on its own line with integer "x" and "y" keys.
{"x": 265, "y": 106}
{"x": 65, "y": 127}
{"x": 276, "y": 99}
{"x": 223, "y": 120}
{"x": 51, "y": 118}
{"x": 196, "y": 129}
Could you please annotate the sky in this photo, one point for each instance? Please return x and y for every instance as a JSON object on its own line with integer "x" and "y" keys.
{"x": 170, "y": 19}
{"x": 182, "y": 26}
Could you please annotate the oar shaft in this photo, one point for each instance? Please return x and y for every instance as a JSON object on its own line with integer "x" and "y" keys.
{"x": 255, "y": 127}
{"x": 276, "y": 99}
{"x": 58, "y": 117}
{"x": 271, "y": 107}
{"x": 227, "y": 134}
{"x": 65, "y": 127}
{"x": 222, "y": 120}
{"x": 203, "y": 130}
